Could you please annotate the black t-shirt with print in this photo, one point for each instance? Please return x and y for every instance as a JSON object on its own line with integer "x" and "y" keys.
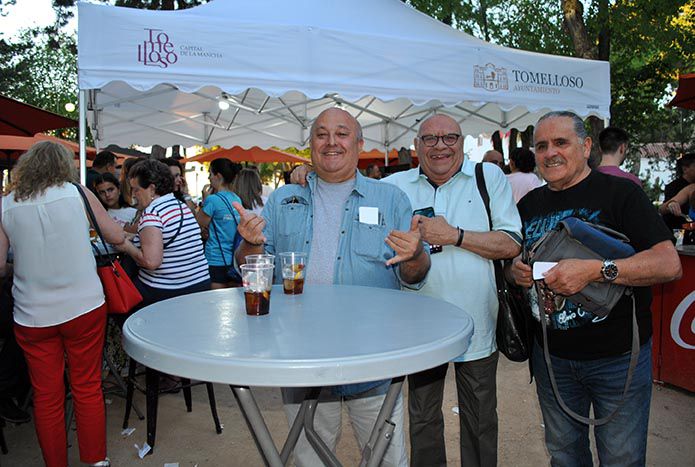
{"x": 616, "y": 203}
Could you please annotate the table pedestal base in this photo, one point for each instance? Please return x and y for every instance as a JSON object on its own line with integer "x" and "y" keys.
{"x": 373, "y": 451}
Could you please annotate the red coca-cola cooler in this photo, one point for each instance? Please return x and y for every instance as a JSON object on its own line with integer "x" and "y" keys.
{"x": 673, "y": 308}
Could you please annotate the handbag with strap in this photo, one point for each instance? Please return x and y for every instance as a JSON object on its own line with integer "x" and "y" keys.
{"x": 513, "y": 330}
{"x": 573, "y": 238}
{"x": 120, "y": 293}
{"x": 231, "y": 271}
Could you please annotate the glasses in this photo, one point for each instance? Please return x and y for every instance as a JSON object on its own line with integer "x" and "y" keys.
{"x": 432, "y": 140}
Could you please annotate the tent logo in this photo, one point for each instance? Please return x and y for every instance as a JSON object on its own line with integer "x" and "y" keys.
{"x": 157, "y": 50}
{"x": 490, "y": 78}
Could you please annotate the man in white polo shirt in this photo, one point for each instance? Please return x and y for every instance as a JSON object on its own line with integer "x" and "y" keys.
{"x": 462, "y": 273}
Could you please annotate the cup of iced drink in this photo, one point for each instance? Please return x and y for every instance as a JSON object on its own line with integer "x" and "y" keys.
{"x": 258, "y": 282}
{"x": 293, "y": 270}
{"x": 260, "y": 259}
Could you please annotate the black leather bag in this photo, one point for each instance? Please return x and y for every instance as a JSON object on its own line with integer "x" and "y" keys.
{"x": 513, "y": 326}
{"x": 513, "y": 331}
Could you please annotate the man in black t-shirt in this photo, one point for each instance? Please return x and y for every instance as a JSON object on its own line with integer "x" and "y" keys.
{"x": 590, "y": 354}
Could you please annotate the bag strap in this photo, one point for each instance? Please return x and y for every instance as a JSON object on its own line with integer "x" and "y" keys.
{"x": 95, "y": 225}
{"x": 482, "y": 189}
{"x": 236, "y": 225}
{"x": 178, "y": 229}
{"x": 630, "y": 370}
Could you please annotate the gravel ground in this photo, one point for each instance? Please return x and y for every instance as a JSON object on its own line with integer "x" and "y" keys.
{"x": 189, "y": 439}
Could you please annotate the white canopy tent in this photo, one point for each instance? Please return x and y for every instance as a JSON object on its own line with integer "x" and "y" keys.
{"x": 158, "y": 77}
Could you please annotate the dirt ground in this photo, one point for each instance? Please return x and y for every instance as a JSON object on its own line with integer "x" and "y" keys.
{"x": 189, "y": 439}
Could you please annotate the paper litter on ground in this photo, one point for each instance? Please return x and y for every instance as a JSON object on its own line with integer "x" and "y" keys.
{"x": 142, "y": 451}
{"x": 127, "y": 432}
{"x": 455, "y": 409}
{"x": 171, "y": 464}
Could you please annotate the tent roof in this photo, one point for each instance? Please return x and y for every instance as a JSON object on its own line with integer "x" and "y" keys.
{"x": 685, "y": 94}
{"x": 158, "y": 76}
{"x": 255, "y": 154}
{"x": 20, "y": 119}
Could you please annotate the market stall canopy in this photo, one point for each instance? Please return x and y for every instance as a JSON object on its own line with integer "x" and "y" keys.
{"x": 255, "y": 154}
{"x": 20, "y": 119}
{"x": 685, "y": 94}
{"x": 234, "y": 72}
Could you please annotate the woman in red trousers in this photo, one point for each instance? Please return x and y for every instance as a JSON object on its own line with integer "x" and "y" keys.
{"x": 59, "y": 309}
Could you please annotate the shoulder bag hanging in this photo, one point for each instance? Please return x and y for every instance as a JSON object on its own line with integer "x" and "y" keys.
{"x": 120, "y": 293}
{"x": 574, "y": 238}
{"x": 231, "y": 271}
{"x": 513, "y": 328}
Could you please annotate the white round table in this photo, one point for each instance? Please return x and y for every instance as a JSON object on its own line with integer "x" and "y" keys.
{"x": 329, "y": 335}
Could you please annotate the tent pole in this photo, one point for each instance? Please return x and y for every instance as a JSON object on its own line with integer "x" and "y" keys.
{"x": 83, "y": 136}
{"x": 386, "y": 144}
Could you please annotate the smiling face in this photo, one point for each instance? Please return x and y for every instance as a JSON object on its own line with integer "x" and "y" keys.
{"x": 108, "y": 194}
{"x": 336, "y": 143}
{"x": 561, "y": 155}
{"x": 439, "y": 162}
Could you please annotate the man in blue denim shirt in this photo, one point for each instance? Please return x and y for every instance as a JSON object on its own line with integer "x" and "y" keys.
{"x": 323, "y": 220}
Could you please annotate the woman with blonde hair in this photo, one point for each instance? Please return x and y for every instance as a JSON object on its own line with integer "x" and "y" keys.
{"x": 59, "y": 307}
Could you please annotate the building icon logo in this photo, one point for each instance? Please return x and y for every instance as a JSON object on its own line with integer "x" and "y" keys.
{"x": 490, "y": 78}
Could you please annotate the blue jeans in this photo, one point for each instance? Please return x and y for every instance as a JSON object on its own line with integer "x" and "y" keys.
{"x": 598, "y": 383}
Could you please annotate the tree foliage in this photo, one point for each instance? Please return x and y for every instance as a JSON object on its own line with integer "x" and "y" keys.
{"x": 40, "y": 70}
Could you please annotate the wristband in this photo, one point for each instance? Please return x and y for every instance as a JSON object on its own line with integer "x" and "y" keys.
{"x": 460, "y": 240}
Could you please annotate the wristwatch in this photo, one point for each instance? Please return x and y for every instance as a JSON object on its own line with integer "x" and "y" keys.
{"x": 609, "y": 270}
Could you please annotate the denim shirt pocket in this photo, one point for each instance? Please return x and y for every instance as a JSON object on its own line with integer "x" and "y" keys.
{"x": 292, "y": 217}
{"x": 369, "y": 241}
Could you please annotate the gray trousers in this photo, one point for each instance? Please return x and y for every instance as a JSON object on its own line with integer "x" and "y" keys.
{"x": 476, "y": 388}
{"x": 363, "y": 409}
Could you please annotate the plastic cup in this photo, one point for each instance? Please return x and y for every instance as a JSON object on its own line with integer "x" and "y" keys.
{"x": 258, "y": 282}
{"x": 260, "y": 259}
{"x": 293, "y": 271}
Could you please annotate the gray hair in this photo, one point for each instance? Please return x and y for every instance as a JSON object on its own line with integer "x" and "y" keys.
{"x": 577, "y": 122}
{"x": 357, "y": 123}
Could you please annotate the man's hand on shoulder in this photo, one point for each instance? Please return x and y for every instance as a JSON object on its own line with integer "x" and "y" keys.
{"x": 299, "y": 174}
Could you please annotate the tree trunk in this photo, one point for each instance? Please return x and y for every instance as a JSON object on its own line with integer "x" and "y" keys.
{"x": 513, "y": 136}
{"x": 573, "y": 22}
{"x": 405, "y": 156}
{"x": 596, "y": 125}
{"x": 158, "y": 152}
{"x": 604, "y": 33}
{"x": 497, "y": 142}
{"x": 527, "y": 137}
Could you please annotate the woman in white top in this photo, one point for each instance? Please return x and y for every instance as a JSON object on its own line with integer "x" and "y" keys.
{"x": 59, "y": 302}
{"x": 108, "y": 190}
{"x": 522, "y": 179}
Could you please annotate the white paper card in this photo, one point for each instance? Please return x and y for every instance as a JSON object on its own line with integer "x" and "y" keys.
{"x": 369, "y": 215}
{"x": 142, "y": 451}
{"x": 540, "y": 268}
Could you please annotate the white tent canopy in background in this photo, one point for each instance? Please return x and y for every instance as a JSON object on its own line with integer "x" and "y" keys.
{"x": 157, "y": 77}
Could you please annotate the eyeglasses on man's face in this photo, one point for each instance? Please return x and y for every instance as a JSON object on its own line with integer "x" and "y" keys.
{"x": 432, "y": 140}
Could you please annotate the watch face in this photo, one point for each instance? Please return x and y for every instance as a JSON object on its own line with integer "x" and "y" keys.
{"x": 609, "y": 270}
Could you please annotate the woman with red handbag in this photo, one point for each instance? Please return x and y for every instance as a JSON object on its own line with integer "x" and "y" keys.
{"x": 59, "y": 305}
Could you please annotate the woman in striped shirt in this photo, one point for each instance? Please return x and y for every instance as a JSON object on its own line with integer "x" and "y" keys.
{"x": 171, "y": 255}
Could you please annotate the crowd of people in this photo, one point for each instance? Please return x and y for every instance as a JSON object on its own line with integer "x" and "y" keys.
{"x": 177, "y": 247}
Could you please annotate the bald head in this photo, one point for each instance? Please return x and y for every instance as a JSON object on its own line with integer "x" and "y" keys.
{"x": 336, "y": 143}
{"x": 439, "y": 148}
{"x": 494, "y": 157}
